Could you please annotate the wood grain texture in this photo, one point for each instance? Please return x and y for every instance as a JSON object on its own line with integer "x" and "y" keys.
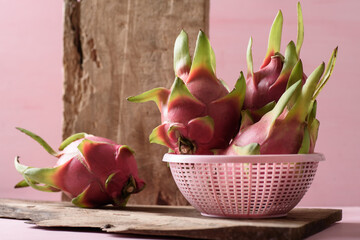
{"x": 171, "y": 221}
{"x": 119, "y": 48}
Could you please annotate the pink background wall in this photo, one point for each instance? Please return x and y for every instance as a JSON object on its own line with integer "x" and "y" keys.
{"x": 31, "y": 81}
{"x": 31, "y": 87}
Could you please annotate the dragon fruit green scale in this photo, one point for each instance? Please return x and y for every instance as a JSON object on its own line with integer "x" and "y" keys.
{"x": 270, "y": 81}
{"x": 92, "y": 171}
{"x": 198, "y": 113}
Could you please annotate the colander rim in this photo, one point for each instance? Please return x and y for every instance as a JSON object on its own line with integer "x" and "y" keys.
{"x": 266, "y": 158}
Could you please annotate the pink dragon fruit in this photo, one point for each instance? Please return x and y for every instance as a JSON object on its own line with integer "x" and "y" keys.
{"x": 93, "y": 171}
{"x": 269, "y": 83}
{"x": 291, "y": 126}
{"x": 198, "y": 114}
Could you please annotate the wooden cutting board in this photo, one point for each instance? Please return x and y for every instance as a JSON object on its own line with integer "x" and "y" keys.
{"x": 171, "y": 221}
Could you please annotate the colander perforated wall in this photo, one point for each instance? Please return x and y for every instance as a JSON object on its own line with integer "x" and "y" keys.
{"x": 243, "y": 189}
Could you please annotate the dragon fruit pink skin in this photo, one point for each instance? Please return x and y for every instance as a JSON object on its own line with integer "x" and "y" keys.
{"x": 91, "y": 170}
{"x": 269, "y": 83}
{"x": 198, "y": 113}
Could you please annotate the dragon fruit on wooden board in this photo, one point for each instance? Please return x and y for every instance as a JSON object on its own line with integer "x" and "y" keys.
{"x": 93, "y": 171}
{"x": 273, "y": 111}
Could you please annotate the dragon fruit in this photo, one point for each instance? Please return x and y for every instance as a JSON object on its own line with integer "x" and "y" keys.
{"x": 291, "y": 126}
{"x": 198, "y": 113}
{"x": 269, "y": 83}
{"x": 93, "y": 171}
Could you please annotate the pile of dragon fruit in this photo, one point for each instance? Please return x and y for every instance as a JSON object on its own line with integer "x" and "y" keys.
{"x": 271, "y": 111}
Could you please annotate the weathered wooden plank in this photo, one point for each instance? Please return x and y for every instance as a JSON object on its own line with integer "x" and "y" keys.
{"x": 117, "y": 48}
{"x": 181, "y": 221}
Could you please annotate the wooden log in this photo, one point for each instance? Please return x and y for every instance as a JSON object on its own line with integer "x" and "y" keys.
{"x": 115, "y": 49}
{"x": 171, "y": 221}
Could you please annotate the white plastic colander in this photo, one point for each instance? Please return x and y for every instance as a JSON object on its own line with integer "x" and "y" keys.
{"x": 256, "y": 186}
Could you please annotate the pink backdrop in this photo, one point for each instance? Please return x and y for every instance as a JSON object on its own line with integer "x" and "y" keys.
{"x": 31, "y": 81}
